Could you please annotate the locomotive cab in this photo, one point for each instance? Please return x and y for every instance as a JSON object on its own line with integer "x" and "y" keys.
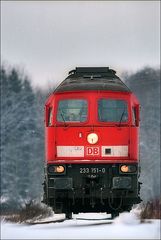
{"x": 92, "y": 144}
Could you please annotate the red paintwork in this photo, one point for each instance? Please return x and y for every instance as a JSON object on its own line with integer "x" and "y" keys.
{"x": 112, "y": 135}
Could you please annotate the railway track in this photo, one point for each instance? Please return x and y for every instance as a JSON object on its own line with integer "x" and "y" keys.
{"x": 46, "y": 222}
{"x": 97, "y": 221}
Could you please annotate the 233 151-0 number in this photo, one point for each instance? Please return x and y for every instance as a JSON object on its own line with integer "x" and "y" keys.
{"x": 92, "y": 170}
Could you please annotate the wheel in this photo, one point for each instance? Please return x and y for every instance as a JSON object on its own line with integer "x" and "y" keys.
{"x": 127, "y": 208}
{"x": 114, "y": 215}
{"x": 68, "y": 215}
{"x": 67, "y": 208}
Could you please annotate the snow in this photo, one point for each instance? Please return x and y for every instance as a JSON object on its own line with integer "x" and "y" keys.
{"x": 85, "y": 226}
{"x": 126, "y": 218}
{"x": 3, "y": 199}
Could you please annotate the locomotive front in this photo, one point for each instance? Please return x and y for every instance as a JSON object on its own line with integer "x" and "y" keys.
{"x": 92, "y": 144}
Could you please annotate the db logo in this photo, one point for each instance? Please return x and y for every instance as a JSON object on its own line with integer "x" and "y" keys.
{"x": 92, "y": 151}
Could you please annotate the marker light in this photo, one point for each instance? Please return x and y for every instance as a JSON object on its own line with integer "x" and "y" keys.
{"x": 59, "y": 169}
{"x": 92, "y": 138}
{"x": 124, "y": 168}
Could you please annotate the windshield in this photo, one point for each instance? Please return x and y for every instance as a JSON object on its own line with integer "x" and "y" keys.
{"x": 72, "y": 110}
{"x": 112, "y": 110}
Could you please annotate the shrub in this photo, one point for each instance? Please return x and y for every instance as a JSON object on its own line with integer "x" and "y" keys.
{"x": 151, "y": 209}
{"x": 31, "y": 211}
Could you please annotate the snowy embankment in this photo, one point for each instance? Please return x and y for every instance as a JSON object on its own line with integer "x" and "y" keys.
{"x": 85, "y": 226}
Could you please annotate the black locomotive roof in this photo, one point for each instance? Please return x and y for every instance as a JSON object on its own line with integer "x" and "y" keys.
{"x": 95, "y": 78}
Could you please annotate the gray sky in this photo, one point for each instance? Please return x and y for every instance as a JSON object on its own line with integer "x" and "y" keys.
{"x": 49, "y": 38}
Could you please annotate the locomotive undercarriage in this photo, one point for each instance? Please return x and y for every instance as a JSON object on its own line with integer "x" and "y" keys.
{"x": 78, "y": 190}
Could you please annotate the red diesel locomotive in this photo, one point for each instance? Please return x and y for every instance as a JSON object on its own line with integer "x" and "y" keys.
{"x": 92, "y": 144}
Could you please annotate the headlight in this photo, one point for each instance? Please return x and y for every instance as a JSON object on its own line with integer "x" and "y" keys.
{"x": 56, "y": 169}
{"x": 92, "y": 138}
{"x": 59, "y": 169}
{"x": 128, "y": 168}
{"x": 124, "y": 168}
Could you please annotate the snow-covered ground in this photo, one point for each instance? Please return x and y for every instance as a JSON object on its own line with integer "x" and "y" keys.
{"x": 85, "y": 226}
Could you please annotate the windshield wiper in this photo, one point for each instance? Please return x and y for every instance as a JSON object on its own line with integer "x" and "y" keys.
{"x": 121, "y": 117}
{"x": 62, "y": 115}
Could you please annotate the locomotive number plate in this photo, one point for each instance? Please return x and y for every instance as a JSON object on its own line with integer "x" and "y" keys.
{"x": 92, "y": 170}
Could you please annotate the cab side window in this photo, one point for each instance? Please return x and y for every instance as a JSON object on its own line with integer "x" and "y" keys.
{"x": 50, "y": 117}
{"x": 134, "y": 116}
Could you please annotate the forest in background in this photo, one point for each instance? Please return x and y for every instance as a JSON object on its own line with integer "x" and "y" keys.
{"x": 22, "y": 135}
{"x": 146, "y": 85}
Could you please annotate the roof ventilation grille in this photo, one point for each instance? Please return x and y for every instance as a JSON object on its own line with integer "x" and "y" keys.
{"x": 96, "y": 72}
